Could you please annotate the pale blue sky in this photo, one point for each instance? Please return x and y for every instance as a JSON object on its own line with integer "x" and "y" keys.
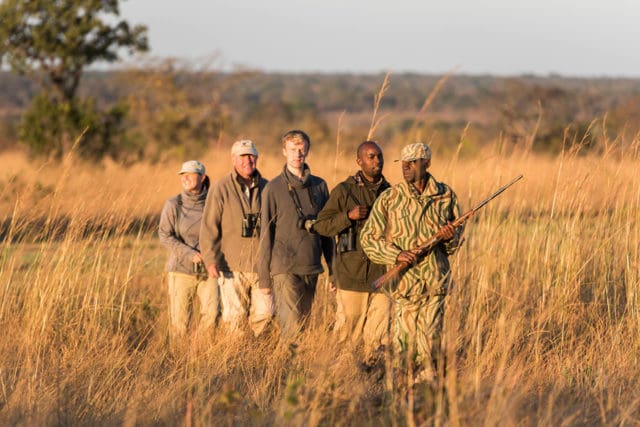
{"x": 569, "y": 37}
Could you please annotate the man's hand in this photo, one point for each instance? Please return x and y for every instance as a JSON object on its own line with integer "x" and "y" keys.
{"x": 358, "y": 212}
{"x": 407, "y": 256}
{"x": 448, "y": 231}
{"x": 331, "y": 285}
{"x": 196, "y": 258}
{"x": 213, "y": 271}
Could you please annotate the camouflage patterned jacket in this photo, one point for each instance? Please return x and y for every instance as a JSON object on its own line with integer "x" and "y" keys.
{"x": 402, "y": 219}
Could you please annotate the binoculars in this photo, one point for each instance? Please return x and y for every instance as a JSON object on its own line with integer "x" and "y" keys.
{"x": 250, "y": 225}
{"x": 347, "y": 240}
{"x": 199, "y": 269}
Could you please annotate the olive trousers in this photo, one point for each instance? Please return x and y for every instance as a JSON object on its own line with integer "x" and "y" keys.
{"x": 294, "y": 294}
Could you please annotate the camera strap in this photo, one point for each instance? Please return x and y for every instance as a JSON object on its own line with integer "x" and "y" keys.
{"x": 353, "y": 226}
{"x": 352, "y": 196}
{"x": 242, "y": 200}
{"x": 296, "y": 201}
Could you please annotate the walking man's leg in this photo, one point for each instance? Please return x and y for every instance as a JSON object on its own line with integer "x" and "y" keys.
{"x": 234, "y": 300}
{"x": 262, "y": 306}
{"x": 293, "y": 297}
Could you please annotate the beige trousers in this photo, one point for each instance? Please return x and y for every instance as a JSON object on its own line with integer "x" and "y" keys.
{"x": 239, "y": 295}
{"x": 182, "y": 289}
{"x": 363, "y": 317}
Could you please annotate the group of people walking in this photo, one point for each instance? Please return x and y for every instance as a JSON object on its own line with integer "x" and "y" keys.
{"x": 251, "y": 248}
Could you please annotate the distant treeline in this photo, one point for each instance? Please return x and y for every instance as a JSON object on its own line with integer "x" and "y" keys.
{"x": 185, "y": 110}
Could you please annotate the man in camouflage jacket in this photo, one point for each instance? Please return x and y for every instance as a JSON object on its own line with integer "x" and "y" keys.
{"x": 401, "y": 219}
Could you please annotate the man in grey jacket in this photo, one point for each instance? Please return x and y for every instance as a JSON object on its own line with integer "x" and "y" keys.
{"x": 229, "y": 240}
{"x": 179, "y": 232}
{"x": 290, "y": 250}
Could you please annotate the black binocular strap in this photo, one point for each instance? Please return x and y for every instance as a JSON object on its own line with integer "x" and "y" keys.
{"x": 242, "y": 202}
{"x": 296, "y": 201}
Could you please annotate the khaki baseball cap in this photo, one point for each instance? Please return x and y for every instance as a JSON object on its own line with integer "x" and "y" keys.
{"x": 192, "y": 166}
{"x": 414, "y": 151}
{"x": 244, "y": 146}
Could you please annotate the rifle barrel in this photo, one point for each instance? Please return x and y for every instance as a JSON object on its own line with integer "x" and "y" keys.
{"x": 497, "y": 193}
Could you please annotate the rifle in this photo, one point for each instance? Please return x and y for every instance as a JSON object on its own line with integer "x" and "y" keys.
{"x": 432, "y": 241}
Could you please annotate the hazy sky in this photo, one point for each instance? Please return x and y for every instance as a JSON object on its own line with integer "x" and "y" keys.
{"x": 569, "y": 37}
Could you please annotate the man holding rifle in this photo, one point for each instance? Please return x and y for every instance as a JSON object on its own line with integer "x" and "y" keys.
{"x": 401, "y": 219}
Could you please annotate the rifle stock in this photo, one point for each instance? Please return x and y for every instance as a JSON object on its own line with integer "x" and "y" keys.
{"x": 421, "y": 250}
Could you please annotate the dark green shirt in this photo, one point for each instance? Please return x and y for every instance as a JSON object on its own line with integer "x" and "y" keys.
{"x": 353, "y": 270}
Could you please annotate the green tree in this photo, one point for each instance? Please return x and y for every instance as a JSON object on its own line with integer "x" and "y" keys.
{"x": 53, "y": 41}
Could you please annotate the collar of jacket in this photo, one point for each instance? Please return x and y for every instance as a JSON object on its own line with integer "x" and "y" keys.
{"x": 430, "y": 190}
{"x": 255, "y": 178}
{"x": 293, "y": 180}
{"x": 190, "y": 199}
{"x": 361, "y": 181}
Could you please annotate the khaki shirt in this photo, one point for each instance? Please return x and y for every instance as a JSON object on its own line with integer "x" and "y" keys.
{"x": 221, "y": 238}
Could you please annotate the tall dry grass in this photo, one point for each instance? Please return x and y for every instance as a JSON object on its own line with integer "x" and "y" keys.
{"x": 541, "y": 328}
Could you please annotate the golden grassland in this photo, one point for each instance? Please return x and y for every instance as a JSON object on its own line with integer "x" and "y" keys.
{"x": 542, "y": 327}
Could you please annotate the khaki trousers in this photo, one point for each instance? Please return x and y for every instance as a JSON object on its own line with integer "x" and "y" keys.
{"x": 293, "y": 295}
{"x": 417, "y": 328}
{"x": 182, "y": 290}
{"x": 363, "y": 317}
{"x": 239, "y": 295}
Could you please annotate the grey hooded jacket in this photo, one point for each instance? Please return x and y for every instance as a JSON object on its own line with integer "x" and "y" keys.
{"x": 182, "y": 243}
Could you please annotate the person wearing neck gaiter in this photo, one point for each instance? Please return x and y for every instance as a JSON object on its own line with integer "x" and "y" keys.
{"x": 289, "y": 257}
{"x": 179, "y": 232}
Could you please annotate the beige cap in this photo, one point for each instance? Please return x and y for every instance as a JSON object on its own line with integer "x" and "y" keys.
{"x": 415, "y": 151}
{"x": 192, "y": 166}
{"x": 244, "y": 146}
